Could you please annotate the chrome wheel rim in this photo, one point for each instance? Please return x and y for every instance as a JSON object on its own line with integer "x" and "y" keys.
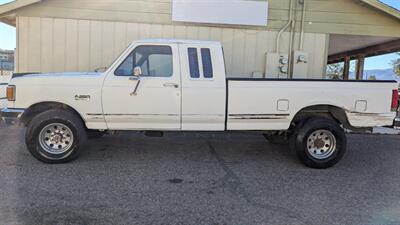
{"x": 56, "y": 138}
{"x": 321, "y": 144}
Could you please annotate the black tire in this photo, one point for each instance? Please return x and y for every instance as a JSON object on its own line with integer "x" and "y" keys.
{"x": 300, "y": 142}
{"x": 276, "y": 139}
{"x": 55, "y": 116}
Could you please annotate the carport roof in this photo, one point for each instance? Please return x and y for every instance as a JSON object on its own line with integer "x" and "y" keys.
{"x": 7, "y": 10}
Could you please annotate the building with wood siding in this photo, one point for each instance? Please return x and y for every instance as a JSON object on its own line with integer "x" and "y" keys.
{"x": 82, "y": 35}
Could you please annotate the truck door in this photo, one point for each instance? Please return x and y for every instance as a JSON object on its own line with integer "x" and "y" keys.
{"x": 150, "y": 101}
{"x": 203, "y": 86}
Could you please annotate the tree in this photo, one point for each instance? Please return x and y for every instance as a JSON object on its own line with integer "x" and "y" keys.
{"x": 335, "y": 71}
{"x": 396, "y": 65}
{"x": 372, "y": 77}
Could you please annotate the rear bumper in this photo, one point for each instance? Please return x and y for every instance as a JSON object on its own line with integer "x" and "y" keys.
{"x": 371, "y": 119}
{"x": 396, "y": 124}
{"x": 11, "y": 115}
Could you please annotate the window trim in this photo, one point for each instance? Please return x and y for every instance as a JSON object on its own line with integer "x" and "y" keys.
{"x": 147, "y": 45}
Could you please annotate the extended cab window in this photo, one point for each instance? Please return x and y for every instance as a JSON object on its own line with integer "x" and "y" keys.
{"x": 207, "y": 64}
{"x": 155, "y": 61}
{"x": 205, "y": 60}
{"x": 193, "y": 63}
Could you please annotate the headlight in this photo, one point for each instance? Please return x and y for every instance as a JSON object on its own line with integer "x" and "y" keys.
{"x": 11, "y": 93}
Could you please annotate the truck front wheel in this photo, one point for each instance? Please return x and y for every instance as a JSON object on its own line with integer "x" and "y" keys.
{"x": 320, "y": 143}
{"x": 55, "y": 136}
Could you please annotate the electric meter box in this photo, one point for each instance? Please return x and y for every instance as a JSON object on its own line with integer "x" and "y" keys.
{"x": 300, "y": 64}
{"x": 277, "y": 65}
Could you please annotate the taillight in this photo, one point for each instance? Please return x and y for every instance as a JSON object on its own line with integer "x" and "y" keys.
{"x": 395, "y": 100}
{"x": 11, "y": 93}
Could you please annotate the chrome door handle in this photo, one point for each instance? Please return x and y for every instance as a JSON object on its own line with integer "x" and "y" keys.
{"x": 134, "y": 78}
{"x": 171, "y": 85}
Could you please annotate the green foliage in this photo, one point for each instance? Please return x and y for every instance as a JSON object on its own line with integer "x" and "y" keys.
{"x": 335, "y": 71}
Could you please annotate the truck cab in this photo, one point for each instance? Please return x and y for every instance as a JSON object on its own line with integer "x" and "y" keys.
{"x": 179, "y": 85}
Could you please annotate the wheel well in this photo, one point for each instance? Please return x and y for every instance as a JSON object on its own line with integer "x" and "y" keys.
{"x": 35, "y": 109}
{"x": 326, "y": 111}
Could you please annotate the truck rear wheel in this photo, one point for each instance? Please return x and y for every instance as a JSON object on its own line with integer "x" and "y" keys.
{"x": 55, "y": 136}
{"x": 320, "y": 143}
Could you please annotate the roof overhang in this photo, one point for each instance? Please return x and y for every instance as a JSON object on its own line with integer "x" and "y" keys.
{"x": 8, "y": 19}
{"x": 7, "y": 11}
{"x": 382, "y": 7}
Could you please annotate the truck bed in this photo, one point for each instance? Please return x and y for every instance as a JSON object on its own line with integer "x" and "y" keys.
{"x": 271, "y": 104}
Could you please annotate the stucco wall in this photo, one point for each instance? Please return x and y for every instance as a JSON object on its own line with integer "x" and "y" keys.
{"x": 51, "y": 44}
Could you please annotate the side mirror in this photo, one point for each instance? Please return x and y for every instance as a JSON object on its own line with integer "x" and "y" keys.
{"x": 137, "y": 71}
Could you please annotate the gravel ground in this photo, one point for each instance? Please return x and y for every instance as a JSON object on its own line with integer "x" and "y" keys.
{"x": 199, "y": 179}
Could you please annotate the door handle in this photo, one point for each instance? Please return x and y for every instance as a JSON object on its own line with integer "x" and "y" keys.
{"x": 135, "y": 78}
{"x": 171, "y": 85}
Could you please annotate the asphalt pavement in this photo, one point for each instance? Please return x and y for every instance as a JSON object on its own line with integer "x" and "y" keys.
{"x": 199, "y": 178}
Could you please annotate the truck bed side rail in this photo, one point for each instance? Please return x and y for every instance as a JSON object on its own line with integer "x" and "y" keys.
{"x": 308, "y": 80}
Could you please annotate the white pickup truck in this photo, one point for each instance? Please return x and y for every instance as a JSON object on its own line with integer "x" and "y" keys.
{"x": 180, "y": 85}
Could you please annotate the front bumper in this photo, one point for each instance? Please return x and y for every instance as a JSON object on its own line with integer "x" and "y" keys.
{"x": 11, "y": 115}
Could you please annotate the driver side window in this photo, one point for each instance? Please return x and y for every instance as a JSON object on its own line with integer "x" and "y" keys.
{"x": 155, "y": 61}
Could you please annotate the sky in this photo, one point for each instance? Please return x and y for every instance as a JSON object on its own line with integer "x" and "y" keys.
{"x": 393, "y": 3}
{"x": 8, "y": 41}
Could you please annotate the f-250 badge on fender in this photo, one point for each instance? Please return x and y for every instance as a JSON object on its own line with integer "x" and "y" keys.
{"x": 82, "y": 98}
